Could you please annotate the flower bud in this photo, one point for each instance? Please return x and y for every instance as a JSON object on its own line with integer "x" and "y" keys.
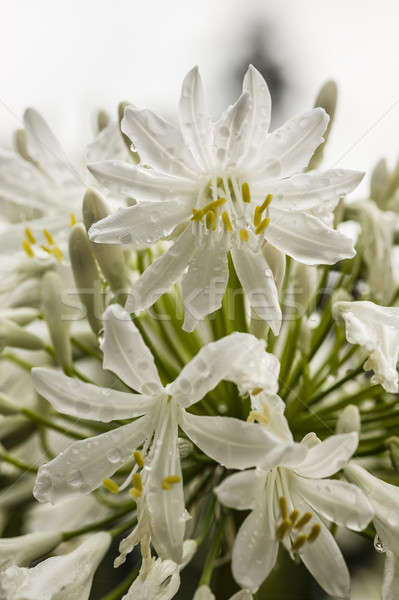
{"x": 102, "y": 120}
{"x": 21, "y": 316}
{"x": 379, "y": 180}
{"x": 109, "y": 257}
{"x": 327, "y": 99}
{"x": 15, "y": 336}
{"x": 86, "y": 275}
{"x": 349, "y": 420}
{"x": 304, "y": 285}
{"x": 56, "y": 319}
{"x": 22, "y": 550}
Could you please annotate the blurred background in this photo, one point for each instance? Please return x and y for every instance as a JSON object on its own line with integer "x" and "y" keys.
{"x": 70, "y": 58}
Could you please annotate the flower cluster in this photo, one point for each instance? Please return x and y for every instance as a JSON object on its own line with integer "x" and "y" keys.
{"x": 197, "y": 324}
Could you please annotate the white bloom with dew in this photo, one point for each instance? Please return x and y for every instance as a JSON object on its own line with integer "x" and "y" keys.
{"x": 23, "y": 549}
{"x": 231, "y": 187}
{"x": 376, "y": 328}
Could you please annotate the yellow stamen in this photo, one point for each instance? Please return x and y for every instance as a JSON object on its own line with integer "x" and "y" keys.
{"x": 244, "y": 237}
{"x": 48, "y": 236}
{"x": 169, "y": 481}
{"x": 294, "y": 515}
{"x": 283, "y": 508}
{"x": 283, "y": 529}
{"x": 45, "y": 248}
{"x": 28, "y": 248}
{"x": 210, "y": 220}
{"x": 138, "y": 484}
{"x": 246, "y": 193}
{"x": 57, "y": 252}
{"x": 266, "y": 202}
{"x": 139, "y": 458}
{"x": 197, "y": 215}
{"x": 226, "y": 221}
{"x": 303, "y": 520}
{"x": 135, "y": 493}
{"x": 31, "y": 238}
{"x": 256, "y": 391}
{"x": 314, "y": 534}
{"x": 299, "y": 542}
{"x": 262, "y": 226}
{"x": 257, "y": 216}
{"x": 73, "y": 219}
{"x": 211, "y": 206}
{"x": 257, "y": 416}
{"x": 111, "y": 486}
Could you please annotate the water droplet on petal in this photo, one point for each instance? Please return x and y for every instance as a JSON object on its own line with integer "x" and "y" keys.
{"x": 75, "y": 479}
{"x": 378, "y": 545}
{"x": 114, "y": 455}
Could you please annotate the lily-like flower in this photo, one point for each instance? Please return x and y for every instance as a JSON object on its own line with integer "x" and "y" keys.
{"x": 204, "y": 593}
{"x": 158, "y": 412}
{"x": 223, "y": 187}
{"x": 376, "y": 328}
{"x": 24, "y": 549}
{"x": 384, "y": 499}
{"x": 60, "y": 577}
{"x": 292, "y": 504}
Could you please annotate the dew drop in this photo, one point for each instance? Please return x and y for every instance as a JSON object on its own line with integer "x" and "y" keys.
{"x": 378, "y": 545}
{"x": 125, "y": 238}
{"x": 75, "y": 479}
{"x": 114, "y": 455}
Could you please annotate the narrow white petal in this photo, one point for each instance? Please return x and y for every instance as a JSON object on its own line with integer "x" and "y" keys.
{"x": 22, "y": 184}
{"x": 126, "y": 354}
{"x": 230, "y": 133}
{"x": 140, "y": 225}
{"x": 241, "y": 490}
{"x": 306, "y": 238}
{"x": 214, "y": 362}
{"x": 159, "y": 143}
{"x": 330, "y": 456}
{"x": 107, "y": 145}
{"x": 159, "y": 277}
{"x": 259, "y": 112}
{"x": 87, "y": 401}
{"x": 205, "y": 282}
{"x": 23, "y": 549}
{"x": 82, "y": 467}
{"x": 195, "y": 122}
{"x": 258, "y": 283}
{"x": 390, "y": 584}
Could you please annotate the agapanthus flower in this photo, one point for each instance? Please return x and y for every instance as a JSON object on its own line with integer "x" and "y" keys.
{"x": 158, "y": 412}
{"x": 223, "y": 187}
{"x": 376, "y": 329}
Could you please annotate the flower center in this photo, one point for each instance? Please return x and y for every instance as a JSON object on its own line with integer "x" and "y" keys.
{"x": 294, "y": 521}
{"x": 31, "y": 246}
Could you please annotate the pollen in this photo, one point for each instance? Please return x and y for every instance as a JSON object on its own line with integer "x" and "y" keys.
{"x": 244, "y": 237}
{"x": 246, "y": 193}
{"x": 226, "y": 221}
{"x": 283, "y": 529}
{"x": 314, "y": 533}
{"x": 28, "y": 248}
{"x": 258, "y": 417}
{"x": 210, "y": 220}
{"x": 256, "y": 391}
{"x": 283, "y": 508}
{"x": 57, "y": 252}
{"x": 303, "y": 520}
{"x": 262, "y": 226}
{"x": 45, "y": 248}
{"x": 294, "y": 515}
{"x": 137, "y": 488}
{"x": 299, "y": 542}
{"x": 73, "y": 219}
{"x": 139, "y": 458}
{"x": 48, "y": 237}
{"x": 29, "y": 235}
{"x": 111, "y": 486}
{"x": 266, "y": 202}
{"x": 169, "y": 481}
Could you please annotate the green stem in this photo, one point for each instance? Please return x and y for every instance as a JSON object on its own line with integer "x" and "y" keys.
{"x": 207, "y": 522}
{"x": 67, "y": 535}
{"x": 36, "y": 418}
{"x": 213, "y": 553}
{"x": 350, "y": 375}
{"x": 17, "y": 463}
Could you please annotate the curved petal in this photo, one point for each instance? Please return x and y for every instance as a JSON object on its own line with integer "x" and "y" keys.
{"x": 390, "y": 584}
{"x": 159, "y": 277}
{"x": 107, "y": 145}
{"x": 83, "y": 466}
{"x": 230, "y": 133}
{"x": 255, "y": 550}
{"x": 214, "y": 362}
{"x": 195, "y": 122}
{"x": 126, "y": 354}
{"x": 22, "y": 184}
{"x": 258, "y": 283}
{"x": 259, "y": 112}
{"x": 337, "y": 501}
{"x": 141, "y": 225}
{"x": 166, "y": 506}
{"x": 306, "y": 238}
{"x": 204, "y": 284}
{"x": 87, "y": 401}
{"x": 328, "y": 457}
{"x": 241, "y": 490}
{"x": 159, "y": 143}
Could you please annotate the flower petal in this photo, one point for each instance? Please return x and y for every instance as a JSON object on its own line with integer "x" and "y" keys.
{"x": 126, "y": 354}
{"x": 241, "y": 490}
{"x": 140, "y": 225}
{"x": 204, "y": 284}
{"x": 159, "y": 277}
{"x": 259, "y": 112}
{"x": 159, "y": 143}
{"x": 306, "y": 238}
{"x": 195, "y": 122}
{"x": 390, "y": 584}
{"x": 258, "y": 283}
{"x": 214, "y": 362}
{"x": 229, "y": 135}
{"x": 83, "y": 466}
{"x": 328, "y": 457}
{"x": 86, "y": 401}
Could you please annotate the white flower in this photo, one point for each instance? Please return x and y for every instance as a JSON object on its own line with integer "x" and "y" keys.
{"x": 384, "y": 499}
{"x": 204, "y": 593}
{"x": 158, "y": 489}
{"x": 163, "y": 579}
{"x": 23, "y": 549}
{"x": 76, "y": 511}
{"x": 376, "y": 328}
{"x": 229, "y": 186}
{"x": 62, "y": 577}
{"x": 293, "y": 503}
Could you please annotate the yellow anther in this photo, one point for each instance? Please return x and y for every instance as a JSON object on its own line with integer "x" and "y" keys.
{"x": 262, "y": 226}
{"x": 303, "y": 520}
{"x": 226, "y": 221}
{"x": 214, "y": 204}
{"x": 314, "y": 534}
{"x": 29, "y": 235}
{"x": 257, "y": 216}
{"x": 294, "y": 515}
{"x": 283, "y": 508}
{"x": 28, "y": 248}
{"x": 111, "y": 486}
{"x": 256, "y": 391}
{"x": 137, "y": 483}
{"x": 45, "y": 248}
{"x": 169, "y": 481}
{"x": 266, "y": 202}
{"x": 73, "y": 219}
{"x": 244, "y": 237}
{"x": 283, "y": 529}
{"x": 197, "y": 215}
{"x": 257, "y": 416}
{"x": 57, "y": 252}
{"x": 139, "y": 458}
{"x": 210, "y": 220}
{"x": 299, "y": 542}
{"x": 134, "y": 493}
{"x": 48, "y": 236}
{"x": 245, "y": 192}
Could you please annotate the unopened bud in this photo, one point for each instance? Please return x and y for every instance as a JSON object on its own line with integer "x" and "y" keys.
{"x": 16, "y": 336}
{"x": 20, "y": 144}
{"x": 379, "y": 181}
{"x": 349, "y": 420}
{"x": 86, "y": 275}
{"x": 121, "y": 112}
{"x": 327, "y": 99}
{"x": 55, "y": 317}
{"x": 102, "y": 120}
{"x": 304, "y": 285}
{"x": 21, "y": 316}
{"x": 109, "y": 257}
